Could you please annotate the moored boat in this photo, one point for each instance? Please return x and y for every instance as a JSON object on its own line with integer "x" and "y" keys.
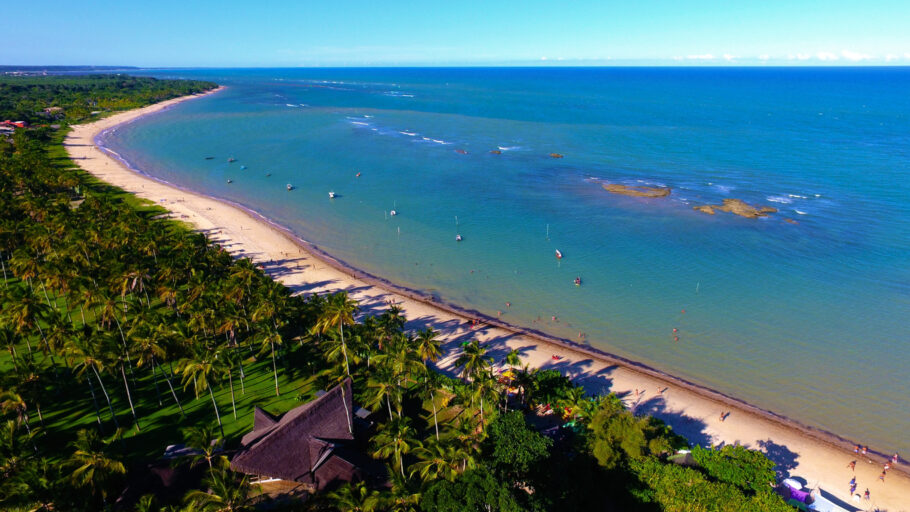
{"x": 558, "y": 254}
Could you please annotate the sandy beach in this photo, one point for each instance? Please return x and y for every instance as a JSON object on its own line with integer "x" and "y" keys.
{"x": 818, "y": 458}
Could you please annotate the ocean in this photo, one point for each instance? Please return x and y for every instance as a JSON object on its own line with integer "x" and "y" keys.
{"x": 803, "y": 312}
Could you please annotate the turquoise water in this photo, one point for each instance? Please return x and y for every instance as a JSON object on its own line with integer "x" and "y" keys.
{"x": 808, "y": 319}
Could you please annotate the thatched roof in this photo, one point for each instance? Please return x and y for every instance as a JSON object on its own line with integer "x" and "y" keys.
{"x": 303, "y": 445}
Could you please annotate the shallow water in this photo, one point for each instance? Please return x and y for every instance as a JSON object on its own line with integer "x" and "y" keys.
{"x": 805, "y": 319}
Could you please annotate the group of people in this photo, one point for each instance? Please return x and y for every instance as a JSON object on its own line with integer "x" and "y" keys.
{"x": 864, "y": 450}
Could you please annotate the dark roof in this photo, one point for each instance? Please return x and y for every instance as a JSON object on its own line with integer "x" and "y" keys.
{"x": 303, "y": 444}
{"x": 168, "y": 482}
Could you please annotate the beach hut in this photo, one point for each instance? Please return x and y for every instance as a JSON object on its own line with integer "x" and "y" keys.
{"x": 309, "y": 445}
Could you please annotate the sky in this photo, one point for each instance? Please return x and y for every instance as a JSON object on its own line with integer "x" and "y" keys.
{"x": 279, "y": 33}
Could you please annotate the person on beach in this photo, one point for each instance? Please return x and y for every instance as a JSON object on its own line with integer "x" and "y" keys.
{"x": 508, "y": 304}
{"x": 853, "y": 482}
{"x": 887, "y": 466}
{"x": 852, "y": 465}
{"x": 866, "y": 495}
{"x": 865, "y": 449}
{"x": 856, "y": 449}
{"x": 894, "y": 458}
{"x": 882, "y": 476}
{"x": 852, "y": 488}
{"x": 723, "y": 416}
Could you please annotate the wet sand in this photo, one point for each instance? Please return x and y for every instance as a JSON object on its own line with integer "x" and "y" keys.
{"x": 818, "y": 458}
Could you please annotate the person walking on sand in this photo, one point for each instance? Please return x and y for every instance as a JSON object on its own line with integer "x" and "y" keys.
{"x": 852, "y": 465}
{"x": 894, "y": 458}
{"x": 865, "y": 449}
{"x": 856, "y": 449}
{"x": 866, "y": 495}
{"x": 882, "y": 476}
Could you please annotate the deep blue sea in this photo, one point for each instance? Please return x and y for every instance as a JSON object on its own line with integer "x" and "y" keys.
{"x": 809, "y": 319}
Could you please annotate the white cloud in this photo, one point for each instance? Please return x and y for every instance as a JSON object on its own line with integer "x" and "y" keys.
{"x": 800, "y": 56}
{"x": 704, "y": 56}
{"x": 855, "y": 56}
{"x": 907, "y": 55}
{"x": 729, "y": 58}
{"x": 677, "y": 58}
{"x": 890, "y": 57}
{"x": 826, "y": 56}
{"x": 543, "y": 58}
{"x": 764, "y": 56}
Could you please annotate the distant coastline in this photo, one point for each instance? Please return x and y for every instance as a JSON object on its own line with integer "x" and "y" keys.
{"x": 818, "y": 449}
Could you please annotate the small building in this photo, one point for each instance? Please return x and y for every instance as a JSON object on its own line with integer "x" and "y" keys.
{"x": 310, "y": 445}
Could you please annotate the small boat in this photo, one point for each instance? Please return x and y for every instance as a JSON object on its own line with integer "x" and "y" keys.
{"x": 242, "y": 167}
{"x": 290, "y": 187}
{"x": 230, "y": 181}
{"x": 393, "y": 213}
{"x": 331, "y": 195}
{"x": 558, "y": 254}
{"x": 461, "y": 151}
{"x": 209, "y": 158}
{"x": 495, "y": 152}
{"x": 268, "y": 174}
{"x": 232, "y": 159}
{"x": 458, "y": 238}
{"x": 577, "y": 281}
{"x": 357, "y": 175}
{"x": 555, "y": 155}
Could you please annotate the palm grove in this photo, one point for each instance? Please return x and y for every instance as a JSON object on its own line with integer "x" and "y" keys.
{"x": 124, "y": 332}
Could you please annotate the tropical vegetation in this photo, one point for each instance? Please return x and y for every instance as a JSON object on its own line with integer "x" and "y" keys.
{"x": 125, "y": 332}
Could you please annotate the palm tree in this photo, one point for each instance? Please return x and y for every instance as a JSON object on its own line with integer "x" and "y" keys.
{"x": 24, "y": 311}
{"x": 338, "y": 312}
{"x": 227, "y": 492}
{"x": 471, "y": 360}
{"x": 355, "y": 497}
{"x": 438, "y": 460}
{"x": 268, "y": 341}
{"x": 396, "y": 438}
{"x": 10, "y": 401}
{"x": 380, "y": 386}
{"x": 84, "y": 352}
{"x": 93, "y": 468}
{"x": 428, "y": 346}
{"x": 202, "y": 440}
{"x": 203, "y": 371}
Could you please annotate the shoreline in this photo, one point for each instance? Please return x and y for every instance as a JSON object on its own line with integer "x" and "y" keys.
{"x": 693, "y": 410}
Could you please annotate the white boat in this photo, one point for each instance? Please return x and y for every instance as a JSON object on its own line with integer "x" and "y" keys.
{"x": 393, "y": 213}
{"x": 242, "y": 167}
{"x": 290, "y": 187}
{"x": 458, "y": 238}
{"x": 558, "y": 254}
{"x": 230, "y": 181}
{"x": 331, "y": 195}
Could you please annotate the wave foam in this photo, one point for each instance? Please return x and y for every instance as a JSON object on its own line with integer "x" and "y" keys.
{"x": 779, "y": 199}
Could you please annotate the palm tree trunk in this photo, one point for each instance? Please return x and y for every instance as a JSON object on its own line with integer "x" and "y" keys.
{"x": 168, "y": 380}
{"x": 107, "y": 397}
{"x": 435, "y": 421}
{"x": 95, "y": 403}
{"x": 129, "y": 397}
{"x": 275, "y": 370}
{"x": 347, "y": 411}
{"x": 2, "y": 264}
{"x": 48, "y": 299}
{"x": 155, "y": 379}
{"x": 217, "y": 415}
{"x": 401, "y": 464}
{"x": 344, "y": 350}
{"x": 231, "y": 384}
{"x": 389, "y": 404}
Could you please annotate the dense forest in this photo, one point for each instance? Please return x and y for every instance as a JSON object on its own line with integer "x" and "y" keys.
{"x": 124, "y": 332}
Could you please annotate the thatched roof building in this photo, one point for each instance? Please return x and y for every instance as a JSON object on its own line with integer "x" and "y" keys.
{"x": 305, "y": 445}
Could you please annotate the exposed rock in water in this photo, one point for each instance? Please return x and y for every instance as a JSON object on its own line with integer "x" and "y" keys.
{"x": 791, "y": 221}
{"x": 555, "y": 155}
{"x": 637, "y": 191}
{"x": 736, "y": 207}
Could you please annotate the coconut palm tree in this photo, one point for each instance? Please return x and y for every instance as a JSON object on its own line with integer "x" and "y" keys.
{"x": 92, "y": 467}
{"x": 227, "y": 492}
{"x": 396, "y": 438}
{"x": 338, "y": 312}
{"x": 438, "y": 460}
{"x": 202, "y": 439}
{"x": 355, "y": 497}
{"x": 471, "y": 360}
{"x": 428, "y": 345}
{"x": 203, "y": 371}
{"x": 10, "y": 401}
{"x": 84, "y": 352}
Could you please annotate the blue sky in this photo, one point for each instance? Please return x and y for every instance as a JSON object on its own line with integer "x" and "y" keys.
{"x": 390, "y": 32}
